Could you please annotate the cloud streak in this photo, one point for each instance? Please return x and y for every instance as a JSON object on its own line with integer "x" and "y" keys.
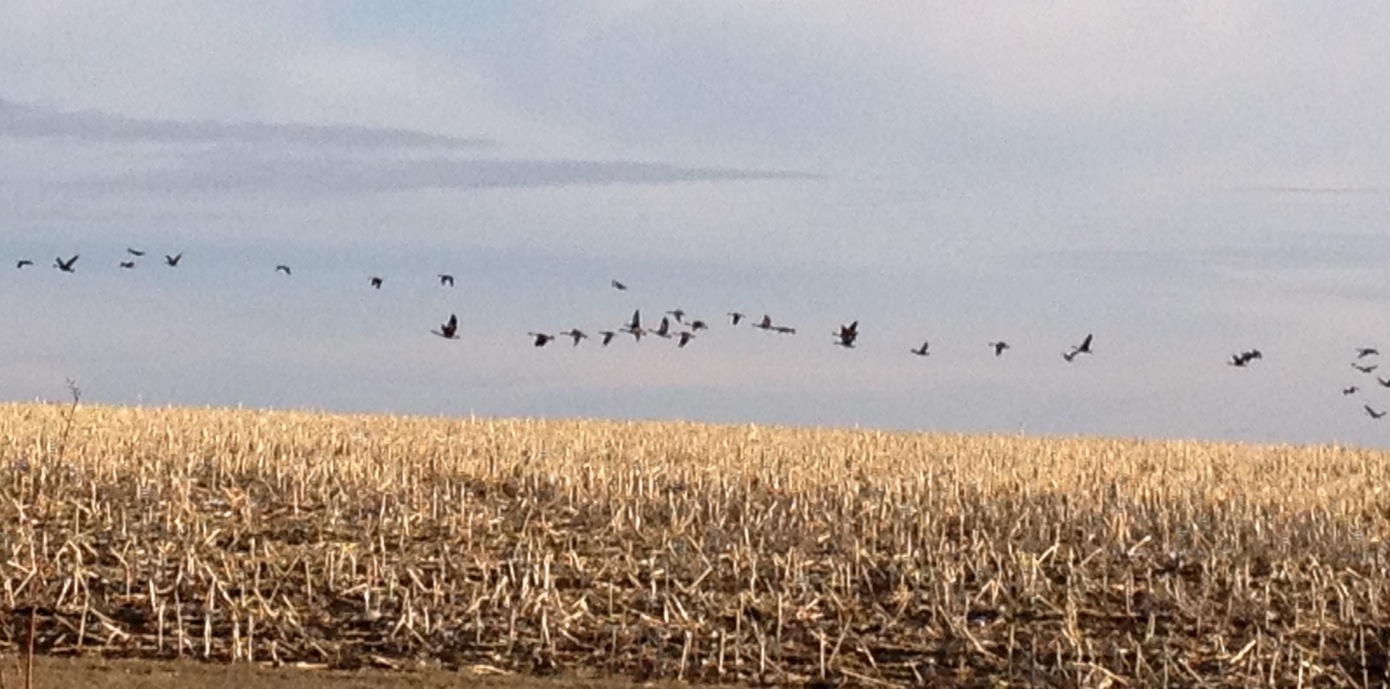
{"x": 27, "y": 122}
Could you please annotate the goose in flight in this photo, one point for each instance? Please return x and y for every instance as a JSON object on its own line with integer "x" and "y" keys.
{"x": 282, "y": 268}
{"x": 446, "y": 280}
{"x": 65, "y": 266}
{"x": 1371, "y": 412}
{"x": 376, "y": 282}
{"x": 576, "y": 334}
{"x": 449, "y": 330}
{"x": 134, "y": 252}
{"x": 1350, "y": 390}
{"x": 1365, "y": 369}
{"x": 1240, "y": 360}
{"x": 23, "y": 262}
{"x": 542, "y": 339}
{"x": 1363, "y": 352}
{"x": 664, "y": 329}
{"x": 920, "y": 351}
{"x": 618, "y": 285}
{"x": 685, "y": 338}
{"x": 173, "y": 261}
{"x": 999, "y": 347}
{"x": 608, "y": 336}
{"x": 634, "y": 326}
{"x": 127, "y": 264}
{"x": 678, "y": 314}
{"x": 736, "y": 316}
{"x": 847, "y": 335}
{"x": 1083, "y": 348}
{"x": 698, "y": 325}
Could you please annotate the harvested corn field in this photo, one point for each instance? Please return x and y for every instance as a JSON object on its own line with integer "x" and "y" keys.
{"x": 734, "y": 554}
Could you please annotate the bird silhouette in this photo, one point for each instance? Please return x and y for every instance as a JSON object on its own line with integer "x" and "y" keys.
{"x": 23, "y": 263}
{"x": 376, "y": 282}
{"x": 1384, "y": 382}
{"x": 542, "y": 339}
{"x": 127, "y": 264}
{"x": 685, "y": 338}
{"x": 1371, "y": 412}
{"x": 1242, "y": 359}
{"x": 698, "y": 325}
{"x": 446, "y": 279}
{"x": 173, "y": 261}
{"x": 618, "y": 286}
{"x": 607, "y": 337}
{"x": 1363, "y": 352}
{"x": 663, "y": 329}
{"x": 449, "y": 330}
{"x": 783, "y": 330}
{"x": 1365, "y": 369}
{"x": 282, "y": 268}
{"x": 576, "y": 334}
{"x": 134, "y": 252}
{"x": 920, "y": 351}
{"x": 999, "y": 347}
{"x": 65, "y": 266}
{"x": 765, "y": 323}
{"x": 678, "y": 314}
{"x": 847, "y": 335}
{"x": 1350, "y": 390}
{"x": 1083, "y": 348}
{"x": 736, "y": 317}
{"x": 634, "y": 326}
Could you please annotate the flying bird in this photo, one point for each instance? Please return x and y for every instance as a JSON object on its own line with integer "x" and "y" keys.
{"x": 1363, "y": 352}
{"x": 847, "y": 335}
{"x": 1350, "y": 390}
{"x": 999, "y": 347}
{"x": 765, "y": 323}
{"x": 1384, "y": 382}
{"x": 446, "y": 279}
{"x": 1371, "y": 412}
{"x": 173, "y": 261}
{"x": 134, "y": 252}
{"x": 1365, "y": 369}
{"x": 664, "y": 329}
{"x": 685, "y": 338}
{"x": 1083, "y": 348}
{"x": 376, "y": 282}
{"x": 282, "y": 268}
{"x": 449, "y": 330}
{"x": 65, "y": 266}
{"x": 736, "y": 317}
{"x": 1240, "y": 360}
{"x": 607, "y": 336}
{"x": 634, "y": 326}
{"x": 127, "y": 264}
{"x": 783, "y": 330}
{"x": 542, "y": 339}
{"x": 697, "y": 325}
{"x": 618, "y": 286}
{"x": 576, "y": 334}
{"x": 920, "y": 351}
{"x": 23, "y": 262}
{"x": 678, "y": 314}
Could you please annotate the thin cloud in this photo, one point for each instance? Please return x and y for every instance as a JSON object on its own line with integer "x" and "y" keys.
{"x": 23, "y": 121}
{"x": 225, "y": 171}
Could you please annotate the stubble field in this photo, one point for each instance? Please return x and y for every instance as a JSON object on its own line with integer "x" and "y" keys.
{"x": 729, "y": 554}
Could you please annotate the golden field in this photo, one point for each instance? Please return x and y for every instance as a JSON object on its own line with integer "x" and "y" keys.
{"x": 732, "y": 554}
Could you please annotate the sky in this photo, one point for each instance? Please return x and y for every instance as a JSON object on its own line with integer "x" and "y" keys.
{"x": 1184, "y": 180}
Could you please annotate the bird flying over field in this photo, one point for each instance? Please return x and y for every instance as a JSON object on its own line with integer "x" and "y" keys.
{"x": 23, "y": 262}
{"x": 1365, "y": 369}
{"x": 847, "y": 335}
{"x": 173, "y": 261}
{"x": 921, "y": 351}
{"x": 446, "y": 280}
{"x": 376, "y": 282}
{"x": 1083, "y": 348}
{"x": 449, "y": 330}
{"x": 999, "y": 347}
{"x": 542, "y": 339}
{"x": 1371, "y": 412}
{"x": 282, "y": 268}
{"x": 618, "y": 285}
{"x": 1363, "y": 352}
{"x": 576, "y": 334}
{"x": 65, "y": 266}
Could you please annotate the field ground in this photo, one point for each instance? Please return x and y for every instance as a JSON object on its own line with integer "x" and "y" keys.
{"x": 676, "y": 551}
{"x": 96, "y": 673}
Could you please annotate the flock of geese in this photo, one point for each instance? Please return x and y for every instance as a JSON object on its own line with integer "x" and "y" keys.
{"x": 674, "y": 325}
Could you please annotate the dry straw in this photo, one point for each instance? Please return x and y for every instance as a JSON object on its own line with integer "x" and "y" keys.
{"x": 705, "y": 553}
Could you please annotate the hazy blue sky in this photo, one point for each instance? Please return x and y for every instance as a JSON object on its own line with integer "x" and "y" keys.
{"x": 1186, "y": 180}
